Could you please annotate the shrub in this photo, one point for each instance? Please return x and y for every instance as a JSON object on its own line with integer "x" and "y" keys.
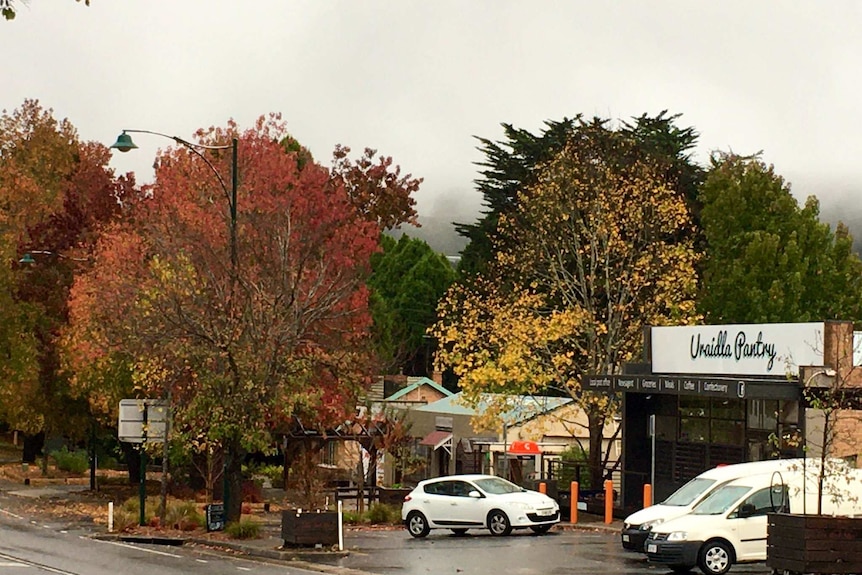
{"x": 184, "y": 515}
{"x": 380, "y": 513}
{"x": 573, "y": 458}
{"x": 124, "y": 519}
{"x": 71, "y": 461}
{"x": 243, "y": 529}
{"x": 351, "y": 517}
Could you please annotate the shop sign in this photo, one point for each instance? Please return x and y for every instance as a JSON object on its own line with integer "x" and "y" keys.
{"x": 774, "y": 349}
{"x": 686, "y": 385}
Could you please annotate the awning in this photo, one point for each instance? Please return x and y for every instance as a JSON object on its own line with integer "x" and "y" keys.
{"x": 438, "y": 439}
{"x": 524, "y": 448}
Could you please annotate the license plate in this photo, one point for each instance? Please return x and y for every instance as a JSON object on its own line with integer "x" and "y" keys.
{"x": 651, "y": 548}
{"x": 626, "y": 538}
{"x": 545, "y": 512}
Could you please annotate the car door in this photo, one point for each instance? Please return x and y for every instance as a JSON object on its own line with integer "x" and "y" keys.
{"x": 437, "y": 502}
{"x": 750, "y": 524}
{"x": 466, "y": 510}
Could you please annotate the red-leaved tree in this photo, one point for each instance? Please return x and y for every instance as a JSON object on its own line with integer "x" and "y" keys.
{"x": 239, "y": 347}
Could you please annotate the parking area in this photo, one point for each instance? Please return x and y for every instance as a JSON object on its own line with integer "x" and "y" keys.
{"x": 479, "y": 553}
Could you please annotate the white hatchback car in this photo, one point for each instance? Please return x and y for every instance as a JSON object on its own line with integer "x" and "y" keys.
{"x": 462, "y": 502}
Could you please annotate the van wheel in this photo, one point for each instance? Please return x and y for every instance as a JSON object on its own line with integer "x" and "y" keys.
{"x": 715, "y": 558}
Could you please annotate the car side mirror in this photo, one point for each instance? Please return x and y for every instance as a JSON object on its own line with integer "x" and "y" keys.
{"x": 747, "y": 510}
{"x": 475, "y": 494}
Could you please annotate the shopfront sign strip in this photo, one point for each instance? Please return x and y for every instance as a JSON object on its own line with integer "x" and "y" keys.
{"x": 687, "y": 385}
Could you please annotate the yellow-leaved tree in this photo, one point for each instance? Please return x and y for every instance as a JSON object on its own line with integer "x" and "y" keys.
{"x": 596, "y": 249}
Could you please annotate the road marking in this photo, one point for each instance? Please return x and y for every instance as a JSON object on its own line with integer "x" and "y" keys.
{"x": 24, "y": 563}
{"x": 243, "y": 568}
{"x": 139, "y": 548}
{"x": 9, "y": 513}
{"x": 201, "y": 560}
{"x": 10, "y": 564}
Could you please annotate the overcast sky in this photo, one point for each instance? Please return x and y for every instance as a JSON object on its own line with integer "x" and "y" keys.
{"x": 417, "y": 80}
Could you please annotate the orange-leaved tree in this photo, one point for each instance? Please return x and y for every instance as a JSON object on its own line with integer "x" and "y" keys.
{"x": 55, "y": 193}
{"x": 239, "y": 347}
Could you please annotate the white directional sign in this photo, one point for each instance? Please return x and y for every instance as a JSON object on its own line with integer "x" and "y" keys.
{"x": 142, "y": 420}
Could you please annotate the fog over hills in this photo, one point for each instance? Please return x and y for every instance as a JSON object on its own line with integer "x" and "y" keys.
{"x": 438, "y": 220}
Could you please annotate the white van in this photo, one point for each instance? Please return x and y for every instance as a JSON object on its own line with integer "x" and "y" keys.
{"x": 636, "y": 526}
{"x": 730, "y": 525}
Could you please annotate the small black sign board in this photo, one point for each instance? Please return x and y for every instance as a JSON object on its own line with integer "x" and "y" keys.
{"x": 215, "y": 517}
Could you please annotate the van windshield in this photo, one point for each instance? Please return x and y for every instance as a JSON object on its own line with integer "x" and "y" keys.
{"x": 689, "y": 492}
{"x": 720, "y": 500}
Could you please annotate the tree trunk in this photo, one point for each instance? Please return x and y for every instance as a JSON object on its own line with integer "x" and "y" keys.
{"x": 594, "y": 457}
{"x": 233, "y": 457}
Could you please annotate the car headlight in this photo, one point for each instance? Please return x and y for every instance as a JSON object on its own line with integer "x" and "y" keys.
{"x": 677, "y": 536}
{"x": 647, "y": 525}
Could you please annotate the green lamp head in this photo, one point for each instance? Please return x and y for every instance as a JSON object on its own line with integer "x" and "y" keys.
{"x": 124, "y": 143}
{"x": 27, "y": 259}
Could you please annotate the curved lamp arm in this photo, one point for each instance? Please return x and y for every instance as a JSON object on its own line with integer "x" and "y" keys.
{"x": 124, "y": 143}
{"x": 28, "y": 257}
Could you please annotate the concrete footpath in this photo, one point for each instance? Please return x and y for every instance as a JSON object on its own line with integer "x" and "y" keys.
{"x": 268, "y": 546}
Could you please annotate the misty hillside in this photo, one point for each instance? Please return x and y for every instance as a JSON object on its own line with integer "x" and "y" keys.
{"x": 438, "y": 232}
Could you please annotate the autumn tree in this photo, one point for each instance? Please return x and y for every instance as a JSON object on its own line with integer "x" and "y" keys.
{"x": 407, "y": 281}
{"x": 768, "y": 259}
{"x": 240, "y": 348}
{"x": 592, "y": 254}
{"x": 55, "y": 193}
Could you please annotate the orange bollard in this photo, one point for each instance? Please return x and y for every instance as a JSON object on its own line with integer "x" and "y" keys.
{"x": 573, "y": 499}
{"x": 609, "y": 501}
{"x": 543, "y": 488}
{"x": 647, "y": 495}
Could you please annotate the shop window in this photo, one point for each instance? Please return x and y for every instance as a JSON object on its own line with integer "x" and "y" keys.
{"x": 694, "y": 429}
{"x": 763, "y": 414}
{"x": 728, "y": 432}
{"x": 693, "y": 406}
{"x": 728, "y": 409}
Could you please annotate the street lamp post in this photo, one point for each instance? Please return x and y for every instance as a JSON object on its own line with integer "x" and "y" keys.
{"x": 124, "y": 143}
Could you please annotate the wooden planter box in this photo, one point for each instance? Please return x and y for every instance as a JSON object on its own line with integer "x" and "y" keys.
{"x": 814, "y": 543}
{"x": 309, "y": 528}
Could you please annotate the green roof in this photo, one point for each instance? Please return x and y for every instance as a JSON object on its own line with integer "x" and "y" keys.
{"x": 523, "y": 407}
{"x": 416, "y": 385}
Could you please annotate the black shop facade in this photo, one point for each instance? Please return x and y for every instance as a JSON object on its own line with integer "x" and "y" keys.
{"x": 716, "y": 394}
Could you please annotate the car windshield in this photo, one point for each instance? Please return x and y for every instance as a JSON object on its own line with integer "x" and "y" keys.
{"x": 720, "y": 500}
{"x": 497, "y": 485}
{"x": 689, "y": 492}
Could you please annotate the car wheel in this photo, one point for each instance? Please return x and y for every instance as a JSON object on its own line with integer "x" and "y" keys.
{"x": 715, "y": 558}
{"x": 417, "y": 524}
{"x": 459, "y": 532}
{"x": 541, "y": 529}
{"x": 498, "y": 523}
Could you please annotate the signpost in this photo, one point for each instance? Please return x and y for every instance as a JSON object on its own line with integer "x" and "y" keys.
{"x": 143, "y": 421}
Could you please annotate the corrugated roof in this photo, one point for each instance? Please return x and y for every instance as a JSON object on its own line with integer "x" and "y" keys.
{"x": 523, "y": 407}
{"x": 417, "y": 384}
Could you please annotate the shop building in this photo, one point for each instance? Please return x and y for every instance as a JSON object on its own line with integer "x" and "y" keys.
{"x": 721, "y": 394}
